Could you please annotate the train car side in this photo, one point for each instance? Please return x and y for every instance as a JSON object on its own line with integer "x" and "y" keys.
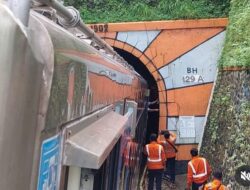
{"x": 84, "y": 82}
{"x": 67, "y": 108}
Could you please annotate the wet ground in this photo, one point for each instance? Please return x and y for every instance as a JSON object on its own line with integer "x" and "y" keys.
{"x": 180, "y": 183}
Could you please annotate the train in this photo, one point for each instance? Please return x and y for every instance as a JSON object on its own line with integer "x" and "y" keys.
{"x": 73, "y": 114}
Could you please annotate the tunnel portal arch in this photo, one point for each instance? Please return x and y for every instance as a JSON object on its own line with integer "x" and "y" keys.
{"x": 181, "y": 57}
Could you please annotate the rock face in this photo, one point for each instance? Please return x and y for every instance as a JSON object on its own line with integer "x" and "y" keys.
{"x": 226, "y": 140}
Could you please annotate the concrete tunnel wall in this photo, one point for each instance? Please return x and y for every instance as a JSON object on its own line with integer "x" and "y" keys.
{"x": 181, "y": 56}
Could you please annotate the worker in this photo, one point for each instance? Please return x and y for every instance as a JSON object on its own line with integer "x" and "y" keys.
{"x": 155, "y": 162}
{"x": 129, "y": 157}
{"x": 198, "y": 172}
{"x": 216, "y": 184}
{"x": 170, "y": 153}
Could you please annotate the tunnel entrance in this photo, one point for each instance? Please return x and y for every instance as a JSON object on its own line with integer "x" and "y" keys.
{"x": 153, "y": 117}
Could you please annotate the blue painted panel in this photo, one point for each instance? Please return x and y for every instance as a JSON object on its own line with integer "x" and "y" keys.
{"x": 197, "y": 66}
{"x": 138, "y": 39}
{"x": 49, "y": 164}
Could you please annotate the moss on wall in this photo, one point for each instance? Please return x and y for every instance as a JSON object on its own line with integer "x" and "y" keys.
{"x": 226, "y": 141}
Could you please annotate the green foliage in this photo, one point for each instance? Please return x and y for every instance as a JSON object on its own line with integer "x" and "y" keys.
{"x": 97, "y": 11}
{"x": 237, "y": 46}
{"x": 226, "y": 137}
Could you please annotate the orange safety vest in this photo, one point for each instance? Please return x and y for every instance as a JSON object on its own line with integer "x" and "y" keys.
{"x": 130, "y": 156}
{"x": 215, "y": 185}
{"x": 198, "y": 170}
{"x": 168, "y": 149}
{"x": 156, "y": 156}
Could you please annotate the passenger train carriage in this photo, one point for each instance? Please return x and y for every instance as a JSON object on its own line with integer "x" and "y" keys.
{"x": 72, "y": 117}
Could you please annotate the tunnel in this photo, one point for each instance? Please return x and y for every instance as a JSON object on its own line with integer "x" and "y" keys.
{"x": 153, "y": 117}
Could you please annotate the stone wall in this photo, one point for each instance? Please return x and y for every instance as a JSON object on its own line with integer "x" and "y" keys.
{"x": 226, "y": 140}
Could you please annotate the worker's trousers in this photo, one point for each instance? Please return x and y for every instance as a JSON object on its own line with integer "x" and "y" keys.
{"x": 170, "y": 169}
{"x": 155, "y": 176}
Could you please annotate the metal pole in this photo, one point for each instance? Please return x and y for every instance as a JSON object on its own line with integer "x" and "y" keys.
{"x": 70, "y": 16}
{"x": 90, "y": 33}
{"x": 20, "y": 9}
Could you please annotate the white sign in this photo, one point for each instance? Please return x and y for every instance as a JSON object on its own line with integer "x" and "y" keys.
{"x": 187, "y": 127}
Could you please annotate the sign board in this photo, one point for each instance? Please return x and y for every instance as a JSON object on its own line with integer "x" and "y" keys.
{"x": 49, "y": 164}
{"x": 187, "y": 127}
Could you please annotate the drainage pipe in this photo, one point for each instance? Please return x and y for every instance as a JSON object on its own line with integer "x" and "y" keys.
{"x": 71, "y": 18}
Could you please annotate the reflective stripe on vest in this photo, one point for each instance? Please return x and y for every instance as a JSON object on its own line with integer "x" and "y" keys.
{"x": 127, "y": 150}
{"x": 159, "y": 154}
{"x": 194, "y": 172}
{"x": 130, "y": 151}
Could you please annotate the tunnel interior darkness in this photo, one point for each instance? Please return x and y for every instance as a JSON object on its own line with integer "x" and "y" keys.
{"x": 153, "y": 117}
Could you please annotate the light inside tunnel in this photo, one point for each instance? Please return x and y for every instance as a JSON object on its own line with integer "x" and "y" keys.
{"x": 153, "y": 117}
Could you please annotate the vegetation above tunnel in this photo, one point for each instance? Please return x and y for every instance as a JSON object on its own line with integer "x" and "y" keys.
{"x": 97, "y": 11}
{"x": 237, "y": 46}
